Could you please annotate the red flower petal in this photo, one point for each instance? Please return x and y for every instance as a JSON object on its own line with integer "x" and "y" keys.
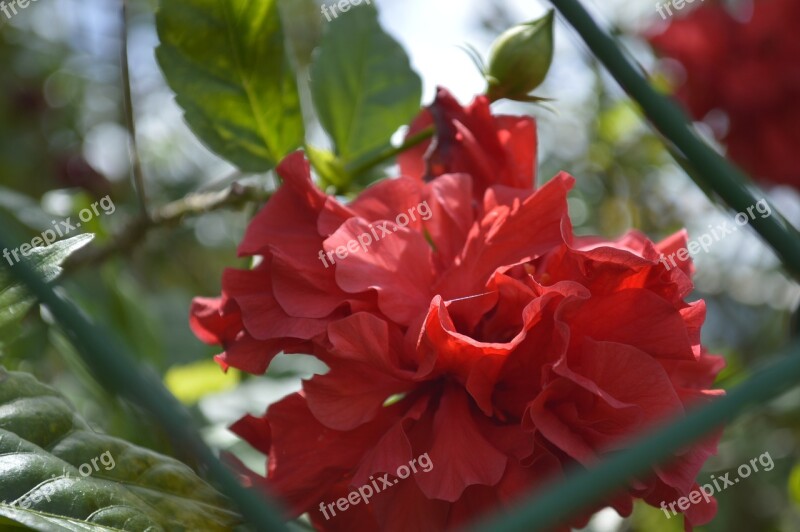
{"x": 460, "y": 454}
{"x": 403, "y": 293}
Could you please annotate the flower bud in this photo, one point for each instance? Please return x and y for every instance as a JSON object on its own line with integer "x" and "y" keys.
{"x": 519, "y": 59}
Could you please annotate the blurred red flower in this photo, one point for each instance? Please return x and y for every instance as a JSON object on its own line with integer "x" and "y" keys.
{"x": 487, "y": 336}
{"x": 746, "y": 65}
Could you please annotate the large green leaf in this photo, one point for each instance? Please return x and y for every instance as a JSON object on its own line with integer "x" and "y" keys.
{"x": 58, "y": 474}
{"x": 362, "y": 84}
{"x": 14, "y": 300}
{"x": 227, "y": 63}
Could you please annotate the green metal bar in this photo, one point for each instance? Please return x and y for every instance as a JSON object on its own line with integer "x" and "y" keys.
{"x": 724, "y": 178}
{"x": 119, "y": 372}
{"x": 581, "y": 489}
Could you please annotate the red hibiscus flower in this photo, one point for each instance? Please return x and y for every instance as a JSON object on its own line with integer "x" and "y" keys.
{"x": 745, "y": 66}
{"x": 484, "y": 336}
{"x": 493, "y": 150}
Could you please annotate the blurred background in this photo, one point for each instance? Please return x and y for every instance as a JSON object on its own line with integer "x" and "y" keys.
{"x": 64, "y": 145}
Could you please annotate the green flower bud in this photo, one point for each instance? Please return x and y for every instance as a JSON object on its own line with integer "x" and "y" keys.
{"x": 519, "y": 59}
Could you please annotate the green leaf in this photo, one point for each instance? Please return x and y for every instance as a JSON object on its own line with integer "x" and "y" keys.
{"x": 227, "y": 63}
{"x": 19, "y": 519}
{"x": 362, "y": 84}
{"x": 14, "y": 299}
{"x": 58, "y": 474}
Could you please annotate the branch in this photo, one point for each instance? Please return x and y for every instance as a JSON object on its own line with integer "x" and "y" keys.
{"x": 168, "y": 215}
{"x": 130, "y": 122}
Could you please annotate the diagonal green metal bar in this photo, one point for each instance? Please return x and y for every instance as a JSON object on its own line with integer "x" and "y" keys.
{"x": 724, "y": 178}
{"x": 119, "y": 372}
{"x": 579, "y": 490}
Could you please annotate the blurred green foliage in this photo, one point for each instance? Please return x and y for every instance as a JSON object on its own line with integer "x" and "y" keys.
{"x": 63, "y": 144}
